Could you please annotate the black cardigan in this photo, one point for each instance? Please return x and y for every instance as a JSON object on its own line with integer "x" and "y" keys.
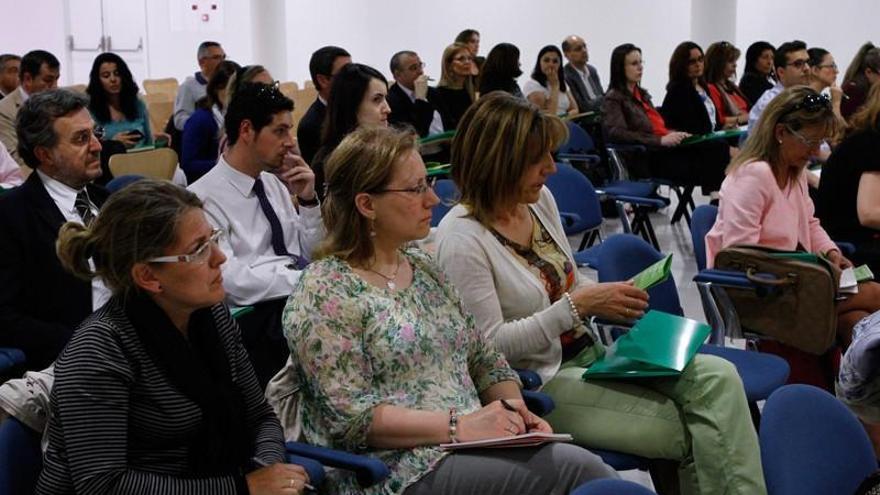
{"x": 683, "y": 110}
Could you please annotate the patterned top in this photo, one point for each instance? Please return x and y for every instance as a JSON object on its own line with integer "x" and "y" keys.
{"x": 357, "y": 346}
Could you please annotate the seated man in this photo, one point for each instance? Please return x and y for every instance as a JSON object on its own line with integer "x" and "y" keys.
{"x": 580, "y": 76}
{"x": 210, "y": 55}
{"x": 410, "y": 96}
{"x": 39, "y": 72}
{"x": 10, "y": 64}
{"x": 323, "y": 65}
{"x": 248, "y": 194}
{"x": 40, "y": 302}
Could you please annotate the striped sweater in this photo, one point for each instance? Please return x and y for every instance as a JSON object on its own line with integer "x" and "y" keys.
{"x": 119, "y": 426}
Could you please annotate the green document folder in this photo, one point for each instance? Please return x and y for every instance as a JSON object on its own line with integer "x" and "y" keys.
{"x": 797, "y": 256}
{"x": 730, "y": 133}
{"x": 435, "y": 168}
{"x": 660, "y": 344}
{"x": 654, "y": 274}
{"x": 440, "y": 137}
{"x": 863, "y": 273}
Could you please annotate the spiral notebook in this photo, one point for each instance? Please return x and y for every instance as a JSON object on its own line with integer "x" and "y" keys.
{"x": 524, "y": 440}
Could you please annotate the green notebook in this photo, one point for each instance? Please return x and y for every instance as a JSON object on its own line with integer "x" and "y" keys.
{"x": 863, "y": 273}
{"x": 730, "y": 133}
{"x": 435, "y": 168}
{"x": 438, "y": 138}
{"x": 660, "y": 344}
{"x": 654, "y": 274}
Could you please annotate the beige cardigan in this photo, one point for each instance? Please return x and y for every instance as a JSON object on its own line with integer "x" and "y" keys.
{"x": 509, "y": 303}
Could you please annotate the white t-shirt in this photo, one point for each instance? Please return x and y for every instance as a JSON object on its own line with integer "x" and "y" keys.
{"x": 562, "y": 103}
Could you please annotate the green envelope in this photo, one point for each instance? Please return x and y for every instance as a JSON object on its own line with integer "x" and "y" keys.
{"x": 440, "y": 137}
{"x": 654, "y": 274}
{"x": 729, "y": 133}
{"x": 660, "y": 344}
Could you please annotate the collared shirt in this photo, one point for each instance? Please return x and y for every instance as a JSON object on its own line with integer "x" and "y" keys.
{"x": 761, "y": 104}
{"x": 253, "y": 272}
{"x": 436, "y": 126}
{"x": 64, "y": 198}
{"x": 585, "y": 76}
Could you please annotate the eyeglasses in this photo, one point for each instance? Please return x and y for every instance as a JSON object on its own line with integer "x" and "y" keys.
{"x": 418, "y": 190}
{"x": 799, "y": 64}
{"x": 810, "y": 143}
{"x": 695, "y": 61}
{"x": 828, "y": 66}
{"x": 198, "y": 257}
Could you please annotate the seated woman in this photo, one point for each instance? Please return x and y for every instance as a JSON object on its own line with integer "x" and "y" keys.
{"x": 764, "y": 198}
{"x": 862, "y": 73}
{"x": 501, "y": 70}
{"x": 154, "y": 393}
{"x": 357, "y": 98}
{"x": 389, "y": 361}
{"x": 848, "y": 202}
{"x": 114, "y": 103}
{"x": 247, "y": 74}
{"x": 200, "y": 145}
{"x": 758, "y": 75}
{"x": 505, "y": 249}
{"x": 630, "y": 118}
{"x": 823, "y": 77}
{"x": 455, "y": 90}
{"x": 547, "y": 88}
{"x": 471, "y": 38}
{"x": 731, "y": 103}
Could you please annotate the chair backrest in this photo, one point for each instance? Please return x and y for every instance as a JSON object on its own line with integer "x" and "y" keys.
{"x": 625, "y": 255}
{"x": 448, "y": 194}
{"x": 302, "y": 100}
{"x": 288, "y": 88}
{"x": 157, "y": 164}
{"x": 77, "y": 88}
{"x": 702, "y": 220}
{"x": 574, "y": 193}
{"x": 579, "y": 141}
{"x": 611, "y": 487}
{"x": 167, "y": 86}
{"x": 160, "y": 106}
{"x": 21, "y": 457}
{"x": 812, "y": 444}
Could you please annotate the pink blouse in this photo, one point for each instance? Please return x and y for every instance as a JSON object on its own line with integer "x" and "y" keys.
{"x": 754, "y": 210}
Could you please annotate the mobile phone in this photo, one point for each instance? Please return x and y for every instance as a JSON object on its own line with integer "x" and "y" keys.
{"x": 136, "y": 134}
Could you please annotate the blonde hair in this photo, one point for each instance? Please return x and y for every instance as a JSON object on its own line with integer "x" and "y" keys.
{"x": 363, "y": 162}
{"x": 762, "y": 145}
{"x": 867, "y": 117}
{"x": 241, "y": 76}
{"x": 137, "y": 223}
{"x": 446, "y": 73}
{"x": 497, "y": 139}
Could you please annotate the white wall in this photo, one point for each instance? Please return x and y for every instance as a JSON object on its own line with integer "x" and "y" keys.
{"x": 30, "y": 25}
{"x": 373, "y": 31}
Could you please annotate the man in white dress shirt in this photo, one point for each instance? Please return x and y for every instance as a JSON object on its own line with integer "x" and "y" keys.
{"x": 269, "y": 239}
{"x": 40, "y": 302}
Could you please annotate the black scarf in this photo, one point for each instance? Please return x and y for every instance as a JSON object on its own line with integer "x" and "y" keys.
{"x": 199, "y": 368}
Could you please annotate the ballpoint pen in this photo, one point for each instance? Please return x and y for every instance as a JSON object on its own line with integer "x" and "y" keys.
{"x": 262, "y": 463}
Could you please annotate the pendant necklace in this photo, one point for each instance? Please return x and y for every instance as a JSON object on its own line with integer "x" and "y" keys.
{"x": 389, "y": 281}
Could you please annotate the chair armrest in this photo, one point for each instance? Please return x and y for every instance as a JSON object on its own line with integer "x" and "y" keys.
{"x": 568, "y": 218}
{"x": 724, "y": 278}
{"x": 538, "y": 403}
{"x": 367, "y": 470}
{"x": 638, "y": 201}
{"x": 16, "y": 356}
{"x": 626, "y": 147}
{"x": 529, "y": 379}
{"x": 313, "y": 468}
{"x": 585, "y": 157}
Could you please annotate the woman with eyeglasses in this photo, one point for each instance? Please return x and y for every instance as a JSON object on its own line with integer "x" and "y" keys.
{"x": 631, "y": 118}
{"x": 390, "y": 362}
{"x": 547, "y": 88}
{"x": 504, "y": 248}
{"x": 758, "y": 75}
{"x": 457, "y": 86}
{"x": 863, "y": 72}
{"x": 200, "y": 145}
{"x": 823, "y": 77}
{"x": 358, "y": 98}
{"x": 154, "y": 393}
{"x": 764, "y": 199}
{"x": 730, "y": 102}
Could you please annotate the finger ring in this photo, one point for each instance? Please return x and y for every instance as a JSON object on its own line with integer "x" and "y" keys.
{"x": 292, "y": 483}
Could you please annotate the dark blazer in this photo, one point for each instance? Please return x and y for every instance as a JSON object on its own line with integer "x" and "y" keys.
{"x": 418, "y": 114}
{"x": 683, "y": 110}
{"x": 308, "y": 131}
{"x": 40, "y": 303}
{"x": 626, "y": 121}
{"x": 753, "y": 86}
{"x": 574, "y": 81}
{"x": 452, "y": 104}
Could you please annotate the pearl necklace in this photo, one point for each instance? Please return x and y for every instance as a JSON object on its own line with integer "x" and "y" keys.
{"x": 389, "y": 280}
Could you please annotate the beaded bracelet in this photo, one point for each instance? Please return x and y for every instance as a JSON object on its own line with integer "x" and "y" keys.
{"x": 574, "y": 311}
{"x": 453, "y": 425}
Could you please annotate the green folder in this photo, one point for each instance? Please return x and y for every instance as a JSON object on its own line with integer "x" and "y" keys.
{"x": 435, "y": 168}
{"x": 239, "y": 311}
{"x": 863, "y": 273}
{"x": 660, "y": 344}
{"x": 730, "y": 133}
{"x": 440, "y": 137}
{"x": 654, "y": 274}
{"x": 797, "y": 256}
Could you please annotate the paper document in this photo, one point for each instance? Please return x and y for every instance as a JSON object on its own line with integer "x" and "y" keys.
{"x": 524, "y": 440}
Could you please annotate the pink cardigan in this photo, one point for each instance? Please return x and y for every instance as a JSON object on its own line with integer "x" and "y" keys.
{"x": 753, "y": 210}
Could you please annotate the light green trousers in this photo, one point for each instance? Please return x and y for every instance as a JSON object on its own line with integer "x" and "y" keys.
{"x": 700, "y": 419}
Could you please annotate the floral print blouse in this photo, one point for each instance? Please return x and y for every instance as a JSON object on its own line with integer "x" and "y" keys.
{"x": 357, "y": 346}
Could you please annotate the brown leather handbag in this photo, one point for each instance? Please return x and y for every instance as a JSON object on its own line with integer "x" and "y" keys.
{"x": 795, "y": 299}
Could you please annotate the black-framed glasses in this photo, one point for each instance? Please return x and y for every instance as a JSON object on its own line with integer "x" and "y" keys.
{"x": 199, "y": 256}
{"x": 420, "y": 65}
{"x": 799, "y": 64}
{"x": 417, "y": 190}
{"x": 828, "y": 66}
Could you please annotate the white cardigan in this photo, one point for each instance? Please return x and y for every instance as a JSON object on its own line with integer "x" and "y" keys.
{"x": 509, "y": 302}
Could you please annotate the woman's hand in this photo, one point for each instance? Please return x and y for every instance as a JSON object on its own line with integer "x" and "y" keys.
{"x": 491, "y": 421}
{"x": 552, "y": 78}
{"x": 162, "y": 135}
{"x": 277, "y": 479}
{"x": 612, "y": 300}
{"x": 838, "y": 259}
{"x": 674, "y": 138}
{"x": 127, "y": 138}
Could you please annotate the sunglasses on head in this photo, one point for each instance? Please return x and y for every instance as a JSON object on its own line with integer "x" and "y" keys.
{"x": 812, "y": 103}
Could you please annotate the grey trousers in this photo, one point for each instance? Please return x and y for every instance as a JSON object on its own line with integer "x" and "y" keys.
{"x": 555, "y": 469}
